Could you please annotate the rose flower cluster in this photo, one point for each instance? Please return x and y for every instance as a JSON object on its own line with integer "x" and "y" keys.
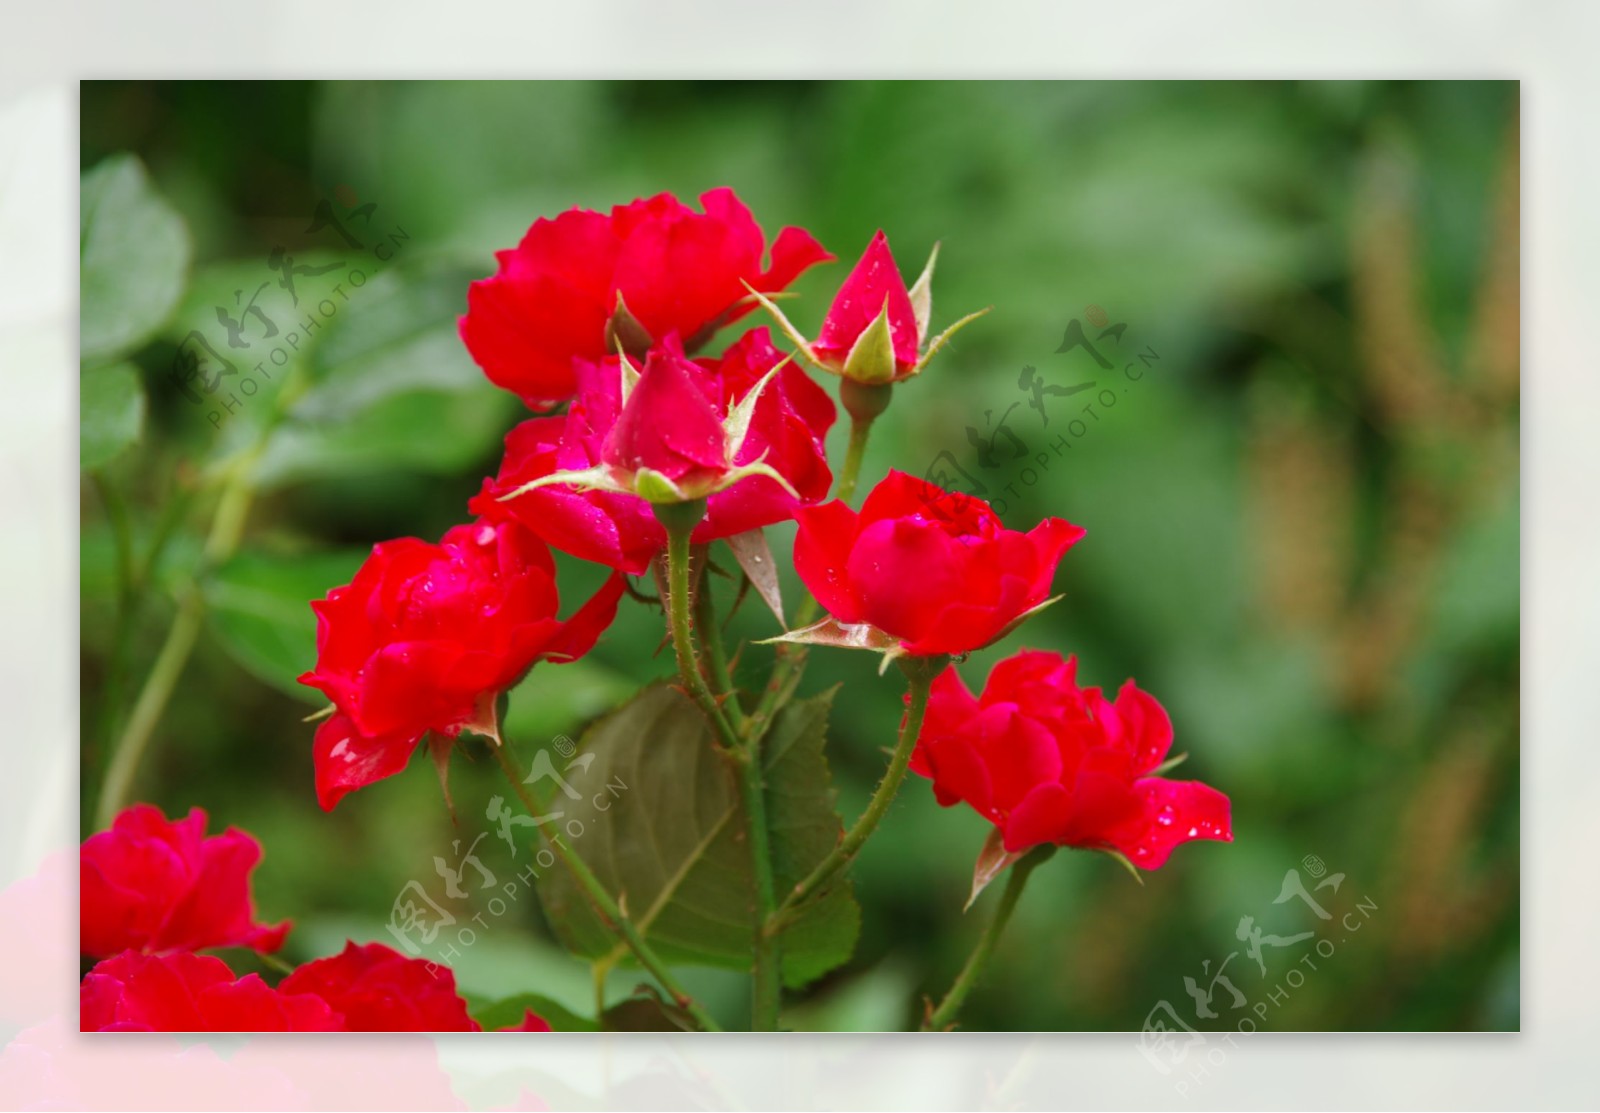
{"x": 154, "y": 893}
{"x": 645, "y": 440}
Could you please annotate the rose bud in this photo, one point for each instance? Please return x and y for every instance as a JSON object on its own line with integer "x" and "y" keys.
{"x": 1046, "y": 761}
{"x": 920, "y": 571}
{"x": 149, "y": 884}
{"x": 192, "y": 993}
{"x": 875, "y": 331}
{"x": 581, "y": 284}
{"x": 427, "y": 637}
{"x": 745, "y": 431}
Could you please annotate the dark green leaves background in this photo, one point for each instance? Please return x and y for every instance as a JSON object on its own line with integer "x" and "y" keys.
{"x": 1302, "y": 520}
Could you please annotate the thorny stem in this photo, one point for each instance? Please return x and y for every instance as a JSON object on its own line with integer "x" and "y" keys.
{"x": 682, "y": 630}
{"x": 716, "y": 655}
{"x": 745, "y": 754}
{"x": 945, "y": 1015}
{"x": 604, "y": 906}
{"x": 920, "y": 672}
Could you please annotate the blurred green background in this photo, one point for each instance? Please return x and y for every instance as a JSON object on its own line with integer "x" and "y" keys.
{"x": 1303, "y": 518}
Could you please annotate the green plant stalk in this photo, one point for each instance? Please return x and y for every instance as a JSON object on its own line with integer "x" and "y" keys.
{"x": 919, "y": 678}
{"x": 152, "y": 702}
{"x": 227, "y": 526}
{"x": 127, "y": 598}
{"x": 682, "y": 630}
{"x": 745, "y": 754}
{"x": 944, "y": 1016}
{"x": 791, "y": 658}
{"x": 860, "y": 430}
{"x": 604, "y": 906}
{"x": 716, "y": 655}
{"x": 766, "y": 954}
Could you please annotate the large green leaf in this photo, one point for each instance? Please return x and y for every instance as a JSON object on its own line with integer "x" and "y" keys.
{"x": 671, "y": 844}
{"x": 133, "y": 251}
{"x": 110, "y": 413}
{"x": 391, "y": 386}
{"x": 401, "y": 335}
{"x": 424, "y": 431}
{"x": 260, "y": 610}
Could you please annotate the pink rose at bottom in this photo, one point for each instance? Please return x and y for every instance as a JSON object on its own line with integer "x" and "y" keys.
{"x": 154, "y": 884}
{"x": 378, "y": 989}
{"x": 1049, "y": 762}
{"x": 365, "y": 988}
{"x": 186, "y": 992}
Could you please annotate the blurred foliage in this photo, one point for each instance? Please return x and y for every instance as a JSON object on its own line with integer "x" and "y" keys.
{"x": 1302, "y": 514}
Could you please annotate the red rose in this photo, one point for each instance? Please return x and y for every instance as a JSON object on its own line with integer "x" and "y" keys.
{"x": 191, "y": 993}
{"x": 149, "y": 884}
{"x": 674, "y": 269}
{"x": 426, "y": 637}
{"x": 673, "y": 423}
{"x": 1048, "y": 762}
{"x": 377, "y": 989}
{"x": 937, "y": 573}
{"x": 874, "y": 287}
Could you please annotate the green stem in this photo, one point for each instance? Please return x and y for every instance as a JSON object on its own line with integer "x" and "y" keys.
{"x": 864, "y": 402}
{"x": 745, "y": 754}
{"x": 767, "y": 966}
{"x": 920, "y": 672}
{"x": 791, "y": 658}
{"x": 682, "y": 629}
{"x": 147, "y": 710}
{"x": 227, "y": 526}
{"x": 944, "y": 1016}
{"x": 860, "y": 430}
{"x": 716, "y": 654}
{"x": 604, "y": 906}
{"x": 127, "y": 603}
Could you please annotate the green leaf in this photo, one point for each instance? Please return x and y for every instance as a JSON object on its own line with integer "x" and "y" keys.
{"x": 110, "y": 413}
{"x": 392, "y": 386}
{"x": 133, "y": 251}
{"x": 509, "y": 1011}
{"x": 260, "y": 610}
{"x": 805, "y": 827}
{"x": 668, "y": 837}
{"x": 396, "y": 334}
{"x": 422, "y": 431}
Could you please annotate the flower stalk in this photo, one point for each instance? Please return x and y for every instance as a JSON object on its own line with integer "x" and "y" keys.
{"x": 943, "y": 1017}
{"x": 744, "y": 753}
{"x": 920, "y": 672}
